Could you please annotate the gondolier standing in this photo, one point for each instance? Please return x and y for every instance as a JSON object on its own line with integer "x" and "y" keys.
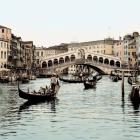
{"x": 53, "y": 82}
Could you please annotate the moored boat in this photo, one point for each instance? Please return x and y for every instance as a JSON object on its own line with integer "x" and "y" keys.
{"x": 135, "y": 93}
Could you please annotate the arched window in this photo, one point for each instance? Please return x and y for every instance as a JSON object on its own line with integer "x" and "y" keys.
{"x": 55, "y": 62}
{"x": 72, "y": 57}
{"x": 49, "y": 63}
{"x": 106, "y": 61}
{"x": 67, "y": 59}
{"x": 44, "y": 64}
{"x": 61, "y": 60}
{"x": 95, "y": 58}
{"x": 100, "y": 59}
{"x": 89, "y": 58}
{"x": 111, "y": 62}
{"x": 118, "y": 64}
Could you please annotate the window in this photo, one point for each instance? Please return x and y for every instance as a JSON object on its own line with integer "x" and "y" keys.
{"x": 37, "y": 53}
{"x": 2, "y": 30}
{"x": 42, "y": 54}
{"x": 5, "y": 55}
{"x": 1, "y": 54}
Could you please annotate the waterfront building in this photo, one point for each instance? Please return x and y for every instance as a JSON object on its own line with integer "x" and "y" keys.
{"x": 28, "y": 50}
{"x": 119, "y": 50}
{"x": 129, "y": 42}
{"x": 42, "y": 53}
{"x": 138, "y": 49}
{"x": 105, "y": 46}
{"x": 14, "y": 58}
{"x": 5, "y": 38}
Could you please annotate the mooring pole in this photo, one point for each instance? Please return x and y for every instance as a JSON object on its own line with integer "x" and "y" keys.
{"x": 122, "y": 84}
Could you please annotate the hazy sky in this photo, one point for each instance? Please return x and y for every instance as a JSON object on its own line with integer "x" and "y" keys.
{"x": 50, "y": 22}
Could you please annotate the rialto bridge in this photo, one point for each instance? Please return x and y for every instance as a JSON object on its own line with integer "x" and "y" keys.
{"x": 104, "y": 63}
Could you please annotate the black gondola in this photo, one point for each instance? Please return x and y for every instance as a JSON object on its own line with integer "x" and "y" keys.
{"x": 114, "y": 78}
{"x": 37, "y": 97}
{"x": 91, "y": 84}
{"x": 79, "y": 80}
{"x": 71, "y": 80}
{"x": 135, "y": 95}
{"x": 130, "y": 80}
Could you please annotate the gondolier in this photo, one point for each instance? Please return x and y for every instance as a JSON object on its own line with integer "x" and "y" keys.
{"x": 53, "y": 82}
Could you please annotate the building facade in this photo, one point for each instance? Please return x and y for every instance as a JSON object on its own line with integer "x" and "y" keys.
{"x": 42, "y": 53}
{"x": 5, "y": 38}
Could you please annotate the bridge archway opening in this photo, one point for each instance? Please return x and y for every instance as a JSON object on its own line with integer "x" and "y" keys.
{"x": 89, "y": 57}
{"x": 50, "y": 63}
{"x": 112, "y": 62}
{"x": 118, "y": 64}
{"x": 61, "y": 60}
{"x": 101, "y": 59}
{"x": 72, "y": 57}
{"x": 44, "y": 65}
{"x": 55, "y": 62}
{"x": 67, "y": 59}
{"x": 106, "y": 61}
{"x": 95, "y": 68}
{"x": 95, "y": 58}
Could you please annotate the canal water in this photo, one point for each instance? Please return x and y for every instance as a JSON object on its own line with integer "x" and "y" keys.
{"x": 76, "y": 114}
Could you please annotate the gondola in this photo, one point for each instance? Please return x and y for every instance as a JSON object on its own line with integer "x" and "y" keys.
{"x": 91, "y": 84}
{"x": 37, "y": 97}
{"x": 71, "y": 80}
{"x": 135, "y": 94}
{"x": 114, "y": 78}
{"x": 130, "y": 80}
{"x": 88, "y": 85}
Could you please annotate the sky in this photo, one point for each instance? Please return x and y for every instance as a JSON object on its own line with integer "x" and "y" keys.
{"x": 52, "y": 22}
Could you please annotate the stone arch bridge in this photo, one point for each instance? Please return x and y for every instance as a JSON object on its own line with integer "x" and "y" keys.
{"x": 100, "y": 62}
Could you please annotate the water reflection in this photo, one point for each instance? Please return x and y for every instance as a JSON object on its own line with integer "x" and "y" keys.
{"x": 26, "y": 105}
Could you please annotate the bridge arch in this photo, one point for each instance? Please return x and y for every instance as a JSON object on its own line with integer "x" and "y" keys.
{"x": 95, "y": 68}
{"x": 55, "y": 61}
{"x": 112, "y": 63}
{"x": 44, "y": 64}
{"x": 61, "y": 60}
{"x": 67, "y": 59}
{"x": 89, "y": 57}
{"x": 101, "y": 59}
{"x": 106, "y": 61}
{"x": 72, "y": 57}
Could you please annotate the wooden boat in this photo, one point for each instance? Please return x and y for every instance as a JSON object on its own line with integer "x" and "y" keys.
{"x": 130, "y": 80}
{"x": 114, "y": 78}
{"x": 37, "y": 96}
{"x": 78, "y": 80}
{"x": 91, "y": 84}
{"x": 135, "y": 93}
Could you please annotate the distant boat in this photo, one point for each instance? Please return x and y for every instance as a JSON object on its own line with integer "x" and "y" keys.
{"x": 92, "y": 84}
